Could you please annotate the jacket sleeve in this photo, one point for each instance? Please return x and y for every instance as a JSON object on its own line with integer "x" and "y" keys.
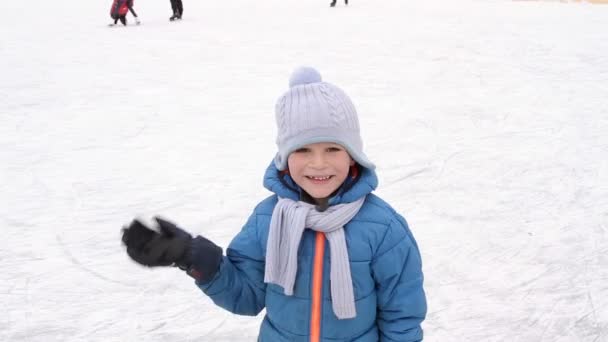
{"x": 397, "y": 270}
{"x": 239, "y": 285}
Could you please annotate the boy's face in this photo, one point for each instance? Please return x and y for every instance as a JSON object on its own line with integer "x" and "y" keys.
{"x": 319, "y": 168}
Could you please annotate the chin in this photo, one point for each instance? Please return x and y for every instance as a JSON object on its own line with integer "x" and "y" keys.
{"x": 319, "y": 194}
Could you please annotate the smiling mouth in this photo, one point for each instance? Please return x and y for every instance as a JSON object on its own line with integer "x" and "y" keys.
{"x": 319, "y": 179}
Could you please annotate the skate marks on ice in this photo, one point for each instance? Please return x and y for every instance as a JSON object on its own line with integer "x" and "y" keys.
{"x": 488, "y": 130}
{"x": 90, "y": 270}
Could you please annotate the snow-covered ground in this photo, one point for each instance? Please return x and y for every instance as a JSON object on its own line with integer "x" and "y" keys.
{"x": 488, "y": 121}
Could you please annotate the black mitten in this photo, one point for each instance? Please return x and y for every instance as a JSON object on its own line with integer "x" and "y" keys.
{"x": 172, "y": 246}
{"x": 148, "y": 247}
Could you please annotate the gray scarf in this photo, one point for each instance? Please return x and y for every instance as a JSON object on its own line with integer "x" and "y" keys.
{"x": 289, "y": 219}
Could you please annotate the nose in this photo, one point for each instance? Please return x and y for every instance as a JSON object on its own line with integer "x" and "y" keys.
{"x": 317, "y": 161}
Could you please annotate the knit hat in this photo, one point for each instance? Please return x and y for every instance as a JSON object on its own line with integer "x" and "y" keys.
{"x": 313, "y": 111}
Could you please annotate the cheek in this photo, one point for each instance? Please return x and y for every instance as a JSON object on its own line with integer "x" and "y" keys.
{"x": 293, "y": 164}
{"x": 344, "y": 168}
{"x": 347, "y": 162}
{"x": 344, "y": 172}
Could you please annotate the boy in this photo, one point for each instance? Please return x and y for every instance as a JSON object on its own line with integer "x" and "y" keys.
{"x": 329, "y": 260}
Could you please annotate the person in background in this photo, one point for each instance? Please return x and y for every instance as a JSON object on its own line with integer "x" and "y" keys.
{"x": 178, "y": 9}
{"x": 333, "y": 3}
{"x": 119, "y": 10}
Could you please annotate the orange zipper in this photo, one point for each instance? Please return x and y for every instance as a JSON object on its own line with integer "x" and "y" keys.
{"x": 317, "y": 288}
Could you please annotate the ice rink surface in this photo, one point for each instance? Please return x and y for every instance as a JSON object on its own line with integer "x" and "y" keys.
{"x": 488, "y": 121}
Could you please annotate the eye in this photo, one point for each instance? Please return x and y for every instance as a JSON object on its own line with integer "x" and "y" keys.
{"x": 302, "y": 150}
{"x": 334, "y": 149}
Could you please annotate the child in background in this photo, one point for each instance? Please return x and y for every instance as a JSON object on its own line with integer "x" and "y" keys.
{"x": 119, "y": 10}
{"x": 326, "y": 258}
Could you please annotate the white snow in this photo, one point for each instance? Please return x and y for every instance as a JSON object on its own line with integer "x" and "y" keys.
{"x": 488, "y": 121}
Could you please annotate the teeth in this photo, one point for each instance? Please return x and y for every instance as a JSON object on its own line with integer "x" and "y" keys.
{"x": 320, "y": 178}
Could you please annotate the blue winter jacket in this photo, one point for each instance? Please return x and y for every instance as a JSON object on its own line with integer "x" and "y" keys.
{"x": 385, "y": 266}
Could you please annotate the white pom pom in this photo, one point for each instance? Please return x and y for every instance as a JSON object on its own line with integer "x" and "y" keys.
{"x": 304, "y": 75}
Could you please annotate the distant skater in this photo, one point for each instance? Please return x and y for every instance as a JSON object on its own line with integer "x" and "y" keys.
{"x": 178, "y": 9}
{"x": 119, "y": 12}
{"x": 333, "y": 3}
